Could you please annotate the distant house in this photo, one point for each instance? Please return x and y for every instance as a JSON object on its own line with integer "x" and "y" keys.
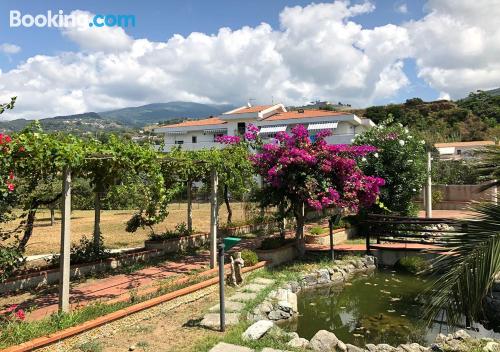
{"x": 460, "y": 150}
{"x": 271, "y": 119}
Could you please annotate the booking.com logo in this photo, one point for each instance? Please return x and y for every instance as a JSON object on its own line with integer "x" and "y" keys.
{"x": 60, "y": 19}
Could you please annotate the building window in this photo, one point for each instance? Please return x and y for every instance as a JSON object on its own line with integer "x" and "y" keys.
{"x": 241, "y": 128}
{"x": 194, "y": 139}
{"x": 179, "y": 142}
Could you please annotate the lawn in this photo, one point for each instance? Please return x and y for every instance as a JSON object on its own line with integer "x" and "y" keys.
{"x": 46, "y": 238}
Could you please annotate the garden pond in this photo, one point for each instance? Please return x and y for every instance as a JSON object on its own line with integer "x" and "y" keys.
{"x": 380, "y": 307}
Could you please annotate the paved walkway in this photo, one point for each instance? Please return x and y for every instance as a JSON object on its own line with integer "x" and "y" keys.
{"x": 113, "y": 287}
{"x": 452, "y": 214}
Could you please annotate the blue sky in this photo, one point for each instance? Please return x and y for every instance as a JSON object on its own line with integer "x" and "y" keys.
{"x": 158, "y": 21}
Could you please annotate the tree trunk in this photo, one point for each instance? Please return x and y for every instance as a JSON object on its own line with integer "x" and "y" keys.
{"x": 30, "y": 220}
{"x": 282, "y": 224}
{"x": 189, "y": 206}
{"x": 228, "y": 205}
{"x": 52, "y": 215}
{"x": 299, "y": 231}
{"x": 97, "y": 221}
{"x": 28, "y": 230}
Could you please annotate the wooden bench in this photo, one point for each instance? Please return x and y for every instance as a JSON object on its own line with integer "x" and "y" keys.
{"x": 405, "y": 230}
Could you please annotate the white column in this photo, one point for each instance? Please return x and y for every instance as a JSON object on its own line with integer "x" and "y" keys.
{"x": 64, "y": 268}
{"x": 213, "y": 219}
{"x": 428, "y": 188}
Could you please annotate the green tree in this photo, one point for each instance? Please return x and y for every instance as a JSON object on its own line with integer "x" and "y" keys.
{"x": 109, "y": 163}
{"x": 400, "y": 161}
{"x": 44, "y": 158}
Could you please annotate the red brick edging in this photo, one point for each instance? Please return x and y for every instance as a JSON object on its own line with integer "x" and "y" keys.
{"x": 91, "y": 324}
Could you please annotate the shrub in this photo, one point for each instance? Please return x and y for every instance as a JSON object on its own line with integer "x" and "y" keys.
{"x": 400, "y": 161}
{"x": 413, "y": 265}
{"x": 317, "y": 230}
{"x": 250, "y": 257}
{"x": 11, "y": 259}
{"x": 84, "y": 252}
{"x": 437, "y": 197}
{"x": 180, "y": 230}
{"x": 274, "y": 242}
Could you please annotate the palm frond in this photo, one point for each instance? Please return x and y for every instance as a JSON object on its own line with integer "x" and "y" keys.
{"x": 465, "y": 273}
{"x": 488, "y": 166}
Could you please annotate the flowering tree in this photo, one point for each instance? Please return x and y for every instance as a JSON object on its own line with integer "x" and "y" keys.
{"x": 298, "y": 172}
{"x": 401, "y": 161}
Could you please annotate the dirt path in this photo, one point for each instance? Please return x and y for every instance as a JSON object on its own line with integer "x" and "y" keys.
{"x": 167, "y": 327}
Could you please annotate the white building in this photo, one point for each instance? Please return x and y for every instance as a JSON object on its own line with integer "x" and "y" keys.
{"x": 271, "y": 119}
{"x": 460, "y": 150}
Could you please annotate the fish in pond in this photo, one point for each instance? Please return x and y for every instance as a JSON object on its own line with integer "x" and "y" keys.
{"x": 395, "y": 299}
{"x": 391, "y": 311}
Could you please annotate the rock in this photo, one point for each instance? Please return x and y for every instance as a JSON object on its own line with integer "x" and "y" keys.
{"x": 383, "y": 347}
{"x": 292, "y": 335}
{"x": 492, "y": 346}
{"x": 441, "y": 338}
{"x": 227, "y": 347}
{"x": 282, "y": 294}
{"x": 341, "y": 346}
{"x": 371, "y": 347}
{"x": 294, "y": 286}
{"x": 309, "y": 280}
{"x": 230, "y": 307}
{"x": 298, "y": 342}
{"x": 257, "y": 330}
{"x": 268, "y": 349}
{"x": 337, "y": 276}
{"x": 461, "y": 335}
{"x": 285, "y": 306}
{"x": 212, "y": 320}
{"x": 263, "y": 281}
{"x": 323, "y": 276}
{"x": 436, "y": 348}
{"x": 266, "y": 307}
{"x": 324, "y": 341}
{"x": 278, "y": 315}
{"x": 352, "y": 348}
{"x": 253, "y": 288}
{"x": 292, "y": 300}
{"x": 131, "y": 348}
{"x": 242, "y": 297}
{"x": 412, "y": 347}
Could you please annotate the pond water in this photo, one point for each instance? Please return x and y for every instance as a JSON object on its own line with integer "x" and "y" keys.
{"x": 380, "y": 307}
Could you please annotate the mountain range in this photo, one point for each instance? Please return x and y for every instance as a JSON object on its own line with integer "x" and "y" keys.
{"x": 125, "y": 119}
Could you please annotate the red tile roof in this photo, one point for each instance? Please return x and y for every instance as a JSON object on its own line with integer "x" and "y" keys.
{"x": 203, "y": 122}
{"x": 464, "y": 144}
{"x": 304, "y": 115}
{"x": 246, "y": 110}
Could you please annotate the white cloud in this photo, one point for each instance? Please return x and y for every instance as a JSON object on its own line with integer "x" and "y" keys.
{"x": 319, "y": 52}
{"x": 401, "y": 8}
{"x": 105, "y": 39}
{"x": 457, "y": 45}
{"x": 9, "y": 49}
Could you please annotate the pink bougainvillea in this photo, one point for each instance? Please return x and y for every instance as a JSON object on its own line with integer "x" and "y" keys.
{"x": 320, "y": 174}
{"x": 6, "y": 173}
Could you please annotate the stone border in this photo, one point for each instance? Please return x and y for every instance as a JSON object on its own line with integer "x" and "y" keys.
{"x": 324, "y": 238}
{"x": 279, "y": 255}
{"x": 281, "y": 304}
{"x": 178, "y": 244}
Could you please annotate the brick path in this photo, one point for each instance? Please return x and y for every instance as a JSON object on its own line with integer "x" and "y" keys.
{"x": 109, "y": 288}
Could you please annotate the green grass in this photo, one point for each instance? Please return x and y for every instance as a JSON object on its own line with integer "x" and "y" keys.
{"x": 91, "y": 346}
{"x": 16, "y": 332}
